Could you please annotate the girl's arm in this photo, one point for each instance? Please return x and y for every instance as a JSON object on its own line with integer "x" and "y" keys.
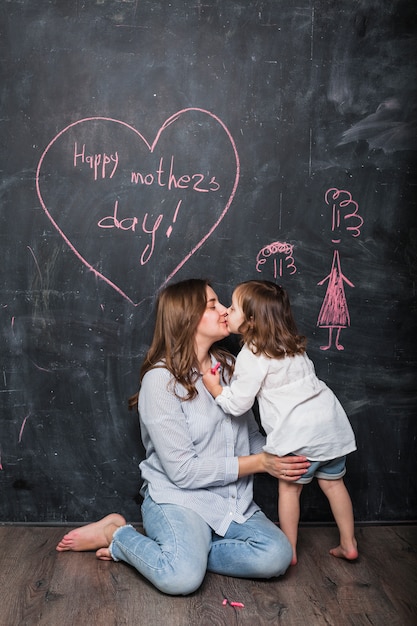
{"x": 239, "y": 396}
{"x": 211, "y": 380}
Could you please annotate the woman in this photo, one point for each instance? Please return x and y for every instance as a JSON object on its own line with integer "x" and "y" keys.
{"x": 198, "y": 513}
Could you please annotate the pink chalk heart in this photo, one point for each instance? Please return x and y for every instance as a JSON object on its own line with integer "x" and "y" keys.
{"x": 134, "y": 212}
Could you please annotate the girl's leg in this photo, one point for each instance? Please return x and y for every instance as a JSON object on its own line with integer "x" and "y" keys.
{"x": 173, "y": 554}
{"x": 255, "y": 549}
{"x": 342, "y": 510}
{"x": 289, "y": 513}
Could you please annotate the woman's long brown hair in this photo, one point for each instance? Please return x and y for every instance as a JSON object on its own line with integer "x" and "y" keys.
{"x": 269, "y": 327}
{"x": 180, "y": 308}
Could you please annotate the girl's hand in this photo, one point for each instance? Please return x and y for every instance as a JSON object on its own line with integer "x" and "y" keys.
{"x": 288, "y": 468}
{"x": 212, "y": 382}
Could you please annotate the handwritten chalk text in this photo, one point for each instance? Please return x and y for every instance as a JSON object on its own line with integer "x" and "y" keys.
{"x": 130, "y": 223}
{"x": 196, "y": 182}
{"x": 99, "y": 163}
{"x": 103, "y": 158}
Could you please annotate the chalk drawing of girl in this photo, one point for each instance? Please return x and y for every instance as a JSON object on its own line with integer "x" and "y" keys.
{"x": 334, "y": 313}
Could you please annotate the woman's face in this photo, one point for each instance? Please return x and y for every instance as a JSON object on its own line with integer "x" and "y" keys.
{"x": 213, "y": 324}
{"x": 235, "y": 317}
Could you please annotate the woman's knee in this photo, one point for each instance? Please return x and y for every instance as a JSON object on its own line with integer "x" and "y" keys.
{"x": 276, "y": 562}
{"x": 274, "y": 554}
{"x": 180, "y": 581}
{"x": 273, "y": 557}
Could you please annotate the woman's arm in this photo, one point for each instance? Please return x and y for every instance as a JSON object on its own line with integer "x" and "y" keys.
{"x": 290, "y": 467}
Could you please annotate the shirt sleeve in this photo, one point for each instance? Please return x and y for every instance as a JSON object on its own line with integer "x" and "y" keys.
{"x": 190, "y": 462}
{"x": 249, "y": 374}
{"x": 256, "y": 439}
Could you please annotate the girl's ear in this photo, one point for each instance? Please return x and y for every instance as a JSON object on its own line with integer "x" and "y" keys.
{"x": 251, "y": 322}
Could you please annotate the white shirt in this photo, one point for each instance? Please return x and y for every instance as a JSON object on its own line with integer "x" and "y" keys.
{"x": 298, "y": 412}
{"x": 192, "y": 451}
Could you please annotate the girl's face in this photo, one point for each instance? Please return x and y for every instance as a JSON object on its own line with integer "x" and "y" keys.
{"x": 235, "y": 317}
{"x": 213, "y": 324}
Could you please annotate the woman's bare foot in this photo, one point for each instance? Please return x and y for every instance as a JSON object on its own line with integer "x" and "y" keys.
{"x": 104, "y": 554}
{"x": 350, "y": 553}
{"x": 93, "y": 536}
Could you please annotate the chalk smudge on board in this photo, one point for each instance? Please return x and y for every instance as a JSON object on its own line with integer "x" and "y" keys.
{"x": 23, "y": 427}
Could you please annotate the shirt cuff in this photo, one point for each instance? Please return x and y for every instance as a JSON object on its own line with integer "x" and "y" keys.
{"x": 232, "y": 470}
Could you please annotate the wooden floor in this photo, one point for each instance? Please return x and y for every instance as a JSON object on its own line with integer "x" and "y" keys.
{"x": 39, "y": 586}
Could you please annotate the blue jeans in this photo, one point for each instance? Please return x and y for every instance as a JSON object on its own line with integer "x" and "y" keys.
{"x": 179, "y": 547}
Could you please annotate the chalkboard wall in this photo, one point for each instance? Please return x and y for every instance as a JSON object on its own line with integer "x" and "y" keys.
{"x": 148, "y": 142}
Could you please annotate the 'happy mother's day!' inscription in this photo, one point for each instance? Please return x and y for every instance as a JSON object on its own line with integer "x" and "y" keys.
{"x": 105, "y": 166}
{"x": 180, "y": 190}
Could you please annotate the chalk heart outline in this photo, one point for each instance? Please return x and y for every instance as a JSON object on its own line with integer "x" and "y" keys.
{"x": 151, "y": 148}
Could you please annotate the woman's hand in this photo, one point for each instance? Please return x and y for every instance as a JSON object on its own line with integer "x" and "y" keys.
{"x": 283, "y": 467}
{"x": 288, "y": 468}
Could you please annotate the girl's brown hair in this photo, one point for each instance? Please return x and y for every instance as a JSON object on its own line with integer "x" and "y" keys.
{"x": 269, "y": 327}
{"x": 180, "y": 308}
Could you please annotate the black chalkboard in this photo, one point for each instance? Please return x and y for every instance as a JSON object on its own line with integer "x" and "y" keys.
{"x": 147, "y": 142}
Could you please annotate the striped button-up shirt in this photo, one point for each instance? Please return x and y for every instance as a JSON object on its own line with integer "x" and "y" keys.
{"x": 192, "y": 449}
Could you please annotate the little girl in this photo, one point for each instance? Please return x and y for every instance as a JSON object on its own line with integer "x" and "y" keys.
{"x": 299, "y": 413}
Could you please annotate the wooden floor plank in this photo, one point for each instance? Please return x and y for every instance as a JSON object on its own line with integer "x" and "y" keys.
{"x": 41, "y": 587}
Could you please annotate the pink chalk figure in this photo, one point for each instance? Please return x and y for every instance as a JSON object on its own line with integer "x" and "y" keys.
{"x": 334, "y": 312}
{"x": 281, "y": 254}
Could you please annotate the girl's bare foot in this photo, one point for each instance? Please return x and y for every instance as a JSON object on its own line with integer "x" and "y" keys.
{"x": 93, "y": 536}
{"x": 350, "y": 553}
